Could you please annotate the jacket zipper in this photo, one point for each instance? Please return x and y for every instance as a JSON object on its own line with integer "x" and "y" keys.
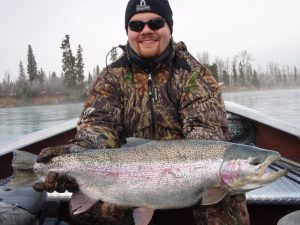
{"x": 151, "y": 100}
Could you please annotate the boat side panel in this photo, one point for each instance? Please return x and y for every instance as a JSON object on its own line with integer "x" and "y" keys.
{"x": 269, "y": 138}
{"x": 60, "y": 139}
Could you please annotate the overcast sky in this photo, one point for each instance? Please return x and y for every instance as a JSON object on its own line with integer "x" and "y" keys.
{"x": 268, "y": 29}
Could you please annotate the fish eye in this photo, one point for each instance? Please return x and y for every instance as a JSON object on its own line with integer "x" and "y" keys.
{"x": 255, "y": 161}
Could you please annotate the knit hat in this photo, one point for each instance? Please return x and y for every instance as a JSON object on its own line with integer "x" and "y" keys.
{"x": 160, "y": 7}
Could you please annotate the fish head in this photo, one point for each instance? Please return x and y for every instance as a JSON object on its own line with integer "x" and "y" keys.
{"x": 246, "y": 168}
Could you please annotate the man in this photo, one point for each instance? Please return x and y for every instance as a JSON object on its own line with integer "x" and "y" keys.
{"x": 155, "y": 90}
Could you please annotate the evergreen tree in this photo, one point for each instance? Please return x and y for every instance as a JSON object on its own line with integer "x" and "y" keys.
{"x": 53, "y": 76}
{"x": 41, "y": 76}
{"x": 242, "y": 75}
{"x": 7, "y": 84}
{"x": 22, "y": 76}
{"x": 226, "y": 78}
{"x": 284, "y": 79}
{"x": 248, "y": 75}
{"x": 79, "y": 67}
{"x": 23, "y": 90}
{"x": 214, "y": 70}
{"x": 31, "y": 65}
{"x": 234, "y": 74}
{"x": 295, "y": 74}
{"x": 90, "y": 78}
{"x": 68, "y": 63}
{"x": 255, "y": 80}
{"x": 96, "y": 72}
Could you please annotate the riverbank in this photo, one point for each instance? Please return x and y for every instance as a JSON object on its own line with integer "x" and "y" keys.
{"x": 8, "y": 102}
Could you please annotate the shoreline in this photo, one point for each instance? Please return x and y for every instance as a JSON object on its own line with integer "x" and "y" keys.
{"x": 12, "y": 102}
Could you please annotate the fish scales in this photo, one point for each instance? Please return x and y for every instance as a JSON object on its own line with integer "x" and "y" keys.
{"x": 155, "y": 173}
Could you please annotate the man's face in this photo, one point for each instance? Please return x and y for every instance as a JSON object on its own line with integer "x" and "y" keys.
{"x": 149, "y": 43}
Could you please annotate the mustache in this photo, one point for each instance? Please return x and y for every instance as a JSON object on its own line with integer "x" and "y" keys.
{"x": 147, "y": 36}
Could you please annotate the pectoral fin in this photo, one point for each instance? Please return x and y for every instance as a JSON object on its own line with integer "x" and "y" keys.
{"x": 143, "y": 215}
{"x": 80, "y": 202}
{"x": 213, "y": 195}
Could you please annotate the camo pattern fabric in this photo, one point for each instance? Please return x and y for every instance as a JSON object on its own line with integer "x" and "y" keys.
{"x": 187, "y": 104}
{"x": 232, "y": 210}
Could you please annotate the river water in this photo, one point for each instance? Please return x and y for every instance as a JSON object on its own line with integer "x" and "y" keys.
{"x": 15, "y": 122}
{"x": 281, "y": 104}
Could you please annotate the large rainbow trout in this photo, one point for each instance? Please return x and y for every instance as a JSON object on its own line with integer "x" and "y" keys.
{"x": 159, "y": 174}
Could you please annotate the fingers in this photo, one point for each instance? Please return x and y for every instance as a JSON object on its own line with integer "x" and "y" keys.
{"x": 39, "y": 187}
{"x": 47, "y": 153}
{"x": 71, "y": 184}
{"x": 60, "y": 183}
{"x": 57, "y": 182}
{"x": 50, "y": 182}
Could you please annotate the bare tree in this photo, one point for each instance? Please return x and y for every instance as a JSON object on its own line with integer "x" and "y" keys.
{"x": 203, "y": 58}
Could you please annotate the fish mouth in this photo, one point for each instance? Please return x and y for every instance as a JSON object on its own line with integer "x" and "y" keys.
{"x": 264, "y": 174}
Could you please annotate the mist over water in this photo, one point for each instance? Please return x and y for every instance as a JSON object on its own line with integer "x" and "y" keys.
{"x": 281, "y": 104}
{"x": 15, "y": 122}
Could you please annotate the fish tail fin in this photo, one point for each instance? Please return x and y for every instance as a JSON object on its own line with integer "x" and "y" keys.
{"x": 23, "y": 166}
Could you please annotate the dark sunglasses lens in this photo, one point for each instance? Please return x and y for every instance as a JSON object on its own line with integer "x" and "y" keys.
{"x": 136, "y": 26}
{"x": 156, "y": 24}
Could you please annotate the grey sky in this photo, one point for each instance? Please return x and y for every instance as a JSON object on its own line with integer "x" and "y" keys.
{"x": 267, "y": 29}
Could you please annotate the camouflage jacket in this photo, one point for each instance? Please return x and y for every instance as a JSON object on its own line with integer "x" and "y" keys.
{"x": 179, "y": 98}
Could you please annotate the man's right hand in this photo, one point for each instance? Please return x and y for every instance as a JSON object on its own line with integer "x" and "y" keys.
{"x": 55, "y": 181}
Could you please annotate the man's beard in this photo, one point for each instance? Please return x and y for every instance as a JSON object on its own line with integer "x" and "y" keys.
{"x": 149, "y": 53}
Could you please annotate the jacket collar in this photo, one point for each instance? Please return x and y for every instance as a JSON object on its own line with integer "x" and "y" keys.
{"x": 150, "y": 66}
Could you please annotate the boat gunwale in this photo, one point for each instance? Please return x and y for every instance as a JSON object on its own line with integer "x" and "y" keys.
{"x": 34, "y": 137}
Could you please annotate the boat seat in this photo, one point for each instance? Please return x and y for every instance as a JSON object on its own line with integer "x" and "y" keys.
{"x": 25, "y": 206}
{"x": 25, "y": 198}
{"x": 20, "y": 206}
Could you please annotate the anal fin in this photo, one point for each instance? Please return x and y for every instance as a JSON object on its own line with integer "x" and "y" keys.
{"x": 80, "y": 202}
{"x": 142, "y": 215}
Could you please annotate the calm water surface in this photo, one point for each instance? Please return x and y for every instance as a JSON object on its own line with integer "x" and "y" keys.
{"x": 280, "y": 104}
{"x": 15, "y": 122}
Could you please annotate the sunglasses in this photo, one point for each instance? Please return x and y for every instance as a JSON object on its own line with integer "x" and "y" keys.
{"x": 153, "y": 24}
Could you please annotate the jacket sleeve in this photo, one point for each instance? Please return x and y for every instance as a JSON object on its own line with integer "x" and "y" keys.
{"x": 202, "y": 109}
{"x": 100, "y": 123}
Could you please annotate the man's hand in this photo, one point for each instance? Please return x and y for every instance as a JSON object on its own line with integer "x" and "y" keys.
{"x": 55, "y": 181}
{"x": 47, "y": 153}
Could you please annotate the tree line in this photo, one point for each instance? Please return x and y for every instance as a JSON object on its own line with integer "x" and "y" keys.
{"x": 33, "y": 81}
{"x": 239, "y": 72}
{"x": 236, "y": 73}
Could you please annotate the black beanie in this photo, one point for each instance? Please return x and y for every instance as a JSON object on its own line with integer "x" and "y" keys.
{"x": 160, "y": 7}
